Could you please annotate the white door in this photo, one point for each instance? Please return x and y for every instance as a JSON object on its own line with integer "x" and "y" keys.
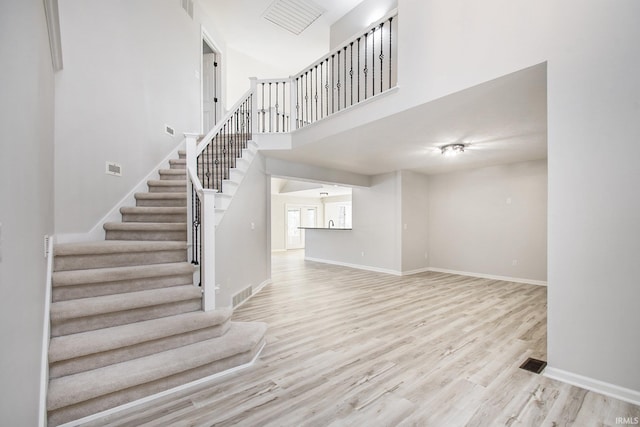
{"x": 299, "y": 216}
{"x": 294, "y": 234}
{"x": 208, "y": 91}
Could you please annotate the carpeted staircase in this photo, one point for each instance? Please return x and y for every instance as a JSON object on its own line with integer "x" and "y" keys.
{"x": 126, "y": 319}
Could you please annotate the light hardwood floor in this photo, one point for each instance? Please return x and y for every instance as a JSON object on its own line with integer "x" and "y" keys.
{"x": 351, "y": 347}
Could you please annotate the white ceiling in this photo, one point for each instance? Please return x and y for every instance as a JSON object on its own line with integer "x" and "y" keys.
{"x": 247, "y": 31}
{"x": 305, "y": 189}
{"x": 500, "y": 121}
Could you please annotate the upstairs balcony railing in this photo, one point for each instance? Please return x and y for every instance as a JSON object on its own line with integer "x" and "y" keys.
{"x": 363, "y": 67}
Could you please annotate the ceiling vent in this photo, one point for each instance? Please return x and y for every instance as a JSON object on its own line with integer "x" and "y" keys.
{"x": 293, "y": 15}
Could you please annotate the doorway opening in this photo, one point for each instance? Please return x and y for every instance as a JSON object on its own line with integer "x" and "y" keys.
{"x": 210, "y": 84}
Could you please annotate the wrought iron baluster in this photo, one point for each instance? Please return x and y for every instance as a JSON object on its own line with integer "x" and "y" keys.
{"x": 263, "y": 111}
{"x": 344, "y": 76}
{"x": 333, "y": 81}
{"x": 326, "y": 86}
{"x": 381, "y": 55}
{"x": 351, "y": 71}
{"x": 277, "y": 111}
{"x": 373, "y": 61}
{"x": 358, "y": 69}
{"x": 269, "y": 106}
{"x": 338, "y": 84}
{"x": 390, "y": 56}
{"x": 316, "y": 92}
{"x": 365, "y": 70}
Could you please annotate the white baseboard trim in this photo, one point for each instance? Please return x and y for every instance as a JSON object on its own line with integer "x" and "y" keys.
{"x": 163, "y": 393}
{"x": 416, "y": 271}
{"x": 46, "y": 332}
{"x": 356, "y": 266}
{"x": 97, "y": 232}
{"x": 489, "y": 276}
{"x": 612, "y": 390}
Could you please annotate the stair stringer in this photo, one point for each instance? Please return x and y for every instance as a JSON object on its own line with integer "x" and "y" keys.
{"x": 236, "y": 175}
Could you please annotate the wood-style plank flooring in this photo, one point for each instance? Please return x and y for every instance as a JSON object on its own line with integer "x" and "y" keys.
{"x": 351, "y": 347}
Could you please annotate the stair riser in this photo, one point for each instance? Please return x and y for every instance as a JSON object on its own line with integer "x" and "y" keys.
{"x": 155, "y": 236}
{"x": 106, "y": 320}
{"x": 105, "y": 358}
{"x": 133, "y": 217}
{"x": 77, "y": 411}
{"x": 64, "y": 293}
{"x": 125, "y": 259}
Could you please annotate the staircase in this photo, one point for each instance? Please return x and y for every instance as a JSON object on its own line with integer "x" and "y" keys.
{"x": 126, "y": 319}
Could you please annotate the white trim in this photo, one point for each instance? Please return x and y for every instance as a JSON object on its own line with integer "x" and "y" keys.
{"x": 97, "y": 232}
{"x": 416, "y": 271}
{"x": 489, "y": 276}
{"x": 53, "y": 27}
{"x": 44, "y": 357}
{"x": 357, "y": 266}
{"x": 205, "y": 37}
{"x": 425, "y": 269}
{"x": 608, "y": 389}
{"x": 179, "y": 388}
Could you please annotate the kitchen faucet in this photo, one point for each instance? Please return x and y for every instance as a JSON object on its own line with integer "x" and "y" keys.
{"x": 331, "y": 223}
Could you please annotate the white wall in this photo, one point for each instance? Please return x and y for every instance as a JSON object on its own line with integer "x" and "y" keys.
{"x": 593, "y": 116}
{"x": 374, "y": 241}
{"x": 26, "y": 211}
{"x": 414, "y": 221}
{"x": 481, "y": 220}
{"x": 243, "y": 257}
{"x": 358, "y": 18}
{"x": 129, "y": 69}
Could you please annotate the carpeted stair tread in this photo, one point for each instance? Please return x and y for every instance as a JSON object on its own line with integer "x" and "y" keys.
{"x": 167, "y": 182}
{"x": 84, "y": 307}
{"x": 73, "y": 389}
{"x": 146, "y": 226}
{"x": 161, "y": 195}
{"x": 114, "y": 274}
{"x": 117, "y": 253}
{"x": 91, "y": 342}
{"x": 114, "y": 246}
{"x": 169, "y": 210}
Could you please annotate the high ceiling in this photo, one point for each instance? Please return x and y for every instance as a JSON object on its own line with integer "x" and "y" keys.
{"x": 245, "y": 30}
{"x": 501, "y": 121}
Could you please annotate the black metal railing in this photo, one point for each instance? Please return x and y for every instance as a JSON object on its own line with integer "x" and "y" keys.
{"x": 225, "y": 147}
{"x": 196, "y": 221}
{"x": 363, "y": 67}
{"x": 274, "y": 105}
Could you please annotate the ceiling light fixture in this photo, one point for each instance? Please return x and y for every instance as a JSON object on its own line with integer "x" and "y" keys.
{"x": 452, "y": 149}
{"x": 323, "y": 194}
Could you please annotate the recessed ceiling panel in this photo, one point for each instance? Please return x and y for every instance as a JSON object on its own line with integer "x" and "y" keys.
{"x": 293, "y": 15}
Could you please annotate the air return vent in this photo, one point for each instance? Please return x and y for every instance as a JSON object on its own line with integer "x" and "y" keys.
{"x": 112, "y": 168}
{"x": 533, "y": 365}
{"x": 242, "y": 296}
{"x": 293, "y": 15}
